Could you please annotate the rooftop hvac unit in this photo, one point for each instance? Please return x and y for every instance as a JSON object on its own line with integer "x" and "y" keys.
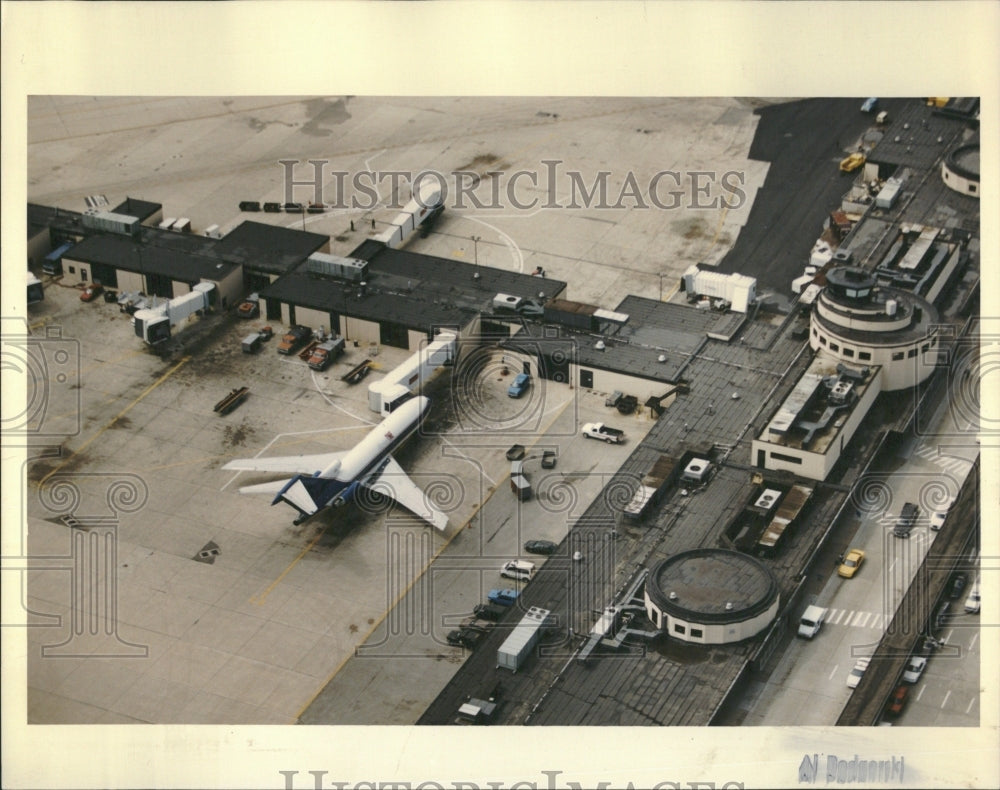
{"x": 768, "y": 499}
{"x": 840, "y": 391}
{"x": 696, "y": 470}
{"x": 890, "y": 307}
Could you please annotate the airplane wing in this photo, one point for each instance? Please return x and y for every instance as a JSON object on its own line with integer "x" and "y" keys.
{"x": 271, "y": 488}
{"x": 289, "y": 464}
{"x": 394, "y": 482}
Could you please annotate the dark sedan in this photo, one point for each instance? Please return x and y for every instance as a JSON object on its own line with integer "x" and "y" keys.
{"x": 540, "y": 547}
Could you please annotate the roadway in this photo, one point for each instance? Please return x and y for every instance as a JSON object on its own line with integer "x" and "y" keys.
{"x": 808, "y": 686}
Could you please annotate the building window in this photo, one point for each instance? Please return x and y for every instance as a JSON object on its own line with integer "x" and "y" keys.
{"x": 897, "y": 355}
{"x": 848, "y": 352}
{"x": 791, "y": 459}
{"x": 815, "y": 332}
{"x": 696, "y": 633}
{"x": 72, "y": 270}
{"x": 924, "y": 347}
{"x": 864, "y": 356}
{"x": 912, "y": 352}
{"x": 972, "y": 187}
{"x": 834, "y": 347}
{"x": 679, "y": 628}
{"x": 822, "y": 340}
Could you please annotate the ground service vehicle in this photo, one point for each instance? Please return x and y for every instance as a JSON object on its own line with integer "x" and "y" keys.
{"x": 325, "y": 353}
{"x": 598, "y": 430}
{"x": 294, "y": 339}
{"x": 851, "y": 163}
{"x": 91, "y": 292}
{"x": 249, "y": 307}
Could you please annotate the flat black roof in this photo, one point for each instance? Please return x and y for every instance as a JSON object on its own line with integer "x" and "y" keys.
{"x": 269, "y": 249}
{"x": 133, "y": 207}
{"x": 917, "y": 137}
{"x": 421, "y": 292}
{"x": 655, "y": 343}
{"x": 122, "y": 252}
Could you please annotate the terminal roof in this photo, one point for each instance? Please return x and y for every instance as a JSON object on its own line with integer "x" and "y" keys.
{"x": 133, "y": 207}
{"x": 271, "y": 249}
{"x": 123, "y": 252}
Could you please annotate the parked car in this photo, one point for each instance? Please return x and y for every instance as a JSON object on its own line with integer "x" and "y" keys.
{"x": 851, "y": 562}
{"x": 972, "y": 602}
{"x": 519, "y": 386}
{"x": 914, "y": 669}
{"x": 548, "y": 459}
{"x": 540, "y": 547}
{"x": 505, "y": 597}
{"x": 897, "y": 701}
{"x": 937, "y": 520}
{"x": 854, "y": 676}
{"x": 465, "y": 637}
{"x": 958, "y": 582}
{"x": 91, "y": 292}
{"x": 520, "y": 570}
{"x": 941, "y": 614}
{"x": 488, "y": 611}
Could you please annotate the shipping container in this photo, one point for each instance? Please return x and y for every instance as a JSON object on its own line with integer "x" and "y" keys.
{"x": 523, "y": 638}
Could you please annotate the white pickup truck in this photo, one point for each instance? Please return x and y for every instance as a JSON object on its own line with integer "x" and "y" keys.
{"x": 598, "y": 430}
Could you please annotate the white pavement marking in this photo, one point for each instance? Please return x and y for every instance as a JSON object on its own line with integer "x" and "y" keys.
{"x": 945, "y": 700}
{"x": 971, "y": 703}
{"x": 834, "y": 672}
{"x": 511, "y": 244}
{"x": 921, "y": 692}
{"x": 324, "y": 396}
{"x": 972, "y": 644}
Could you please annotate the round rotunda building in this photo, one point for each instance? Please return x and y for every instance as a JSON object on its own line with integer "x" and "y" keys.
{"x": 711, "y": 596}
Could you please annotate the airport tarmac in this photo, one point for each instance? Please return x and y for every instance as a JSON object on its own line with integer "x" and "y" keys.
{"x": 220, "y": 609}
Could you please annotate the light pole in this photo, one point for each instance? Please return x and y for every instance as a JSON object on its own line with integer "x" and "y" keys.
{"x": 475, "y": 248}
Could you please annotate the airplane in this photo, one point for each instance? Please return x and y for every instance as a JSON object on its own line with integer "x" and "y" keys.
{"x": 332, "y": 479}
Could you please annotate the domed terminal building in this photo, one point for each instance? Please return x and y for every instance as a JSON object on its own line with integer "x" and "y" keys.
{"x": 860, "y": 323}
{"x": 711, "y": 596}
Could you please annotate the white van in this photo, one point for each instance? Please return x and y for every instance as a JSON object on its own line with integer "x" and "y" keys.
{"x": 812, "y": 620}
{"x": 521, "y": 570}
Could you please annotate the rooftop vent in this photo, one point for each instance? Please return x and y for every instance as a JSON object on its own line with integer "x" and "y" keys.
{"x": 599, "y": 345}
{"x": 661, "y": 358}
{"x": 767, "y": 499}
{"x": 673, "y": 596}
{"x": 729, "y": 606}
